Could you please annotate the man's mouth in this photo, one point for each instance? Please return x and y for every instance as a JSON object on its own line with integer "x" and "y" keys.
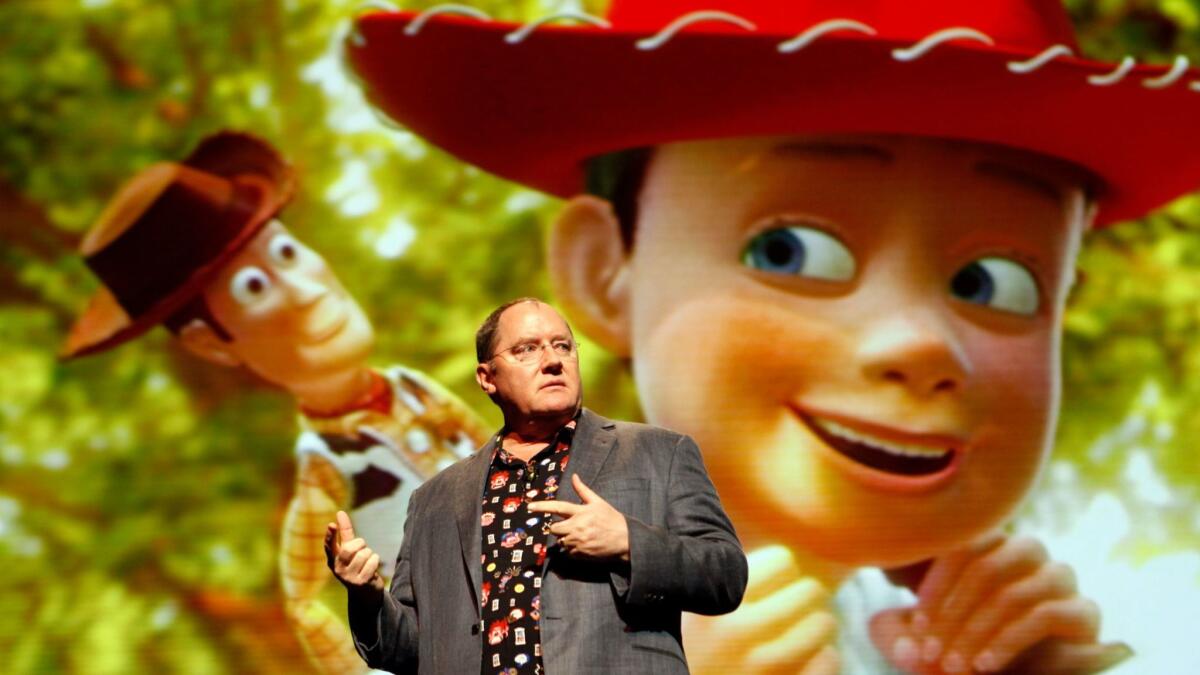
{"x": 890, "y": 455}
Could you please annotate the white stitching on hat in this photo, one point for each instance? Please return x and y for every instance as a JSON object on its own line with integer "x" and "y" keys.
{"x": 1048, "y": 54}
{"x": 447, "y": 8}
{"x": 807, "y": 37}
{"x": 934, "y": 39}
{"x": 523, "y": 32}
{"x": 1168, "y": 78}
{"x": 1115, "y": 76}
{"x": 661, "y": 38}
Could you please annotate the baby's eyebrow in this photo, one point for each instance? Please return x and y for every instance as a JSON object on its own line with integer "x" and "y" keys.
{"x": 833, "y": 150}
{"x": 1017, "y": 176}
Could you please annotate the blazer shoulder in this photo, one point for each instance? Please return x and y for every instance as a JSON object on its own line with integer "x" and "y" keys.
{"x": 647, "y": 435}
{"x": 448, "y": 477}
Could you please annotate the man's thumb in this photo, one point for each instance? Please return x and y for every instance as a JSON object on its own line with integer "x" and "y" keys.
{"x": 585, "y": 493}
{"x": 345, "y": 527}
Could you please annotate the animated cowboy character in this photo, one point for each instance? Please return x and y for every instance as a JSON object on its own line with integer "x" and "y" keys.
{"x": 835, "y": 240}
{"x": 197, "y": 247}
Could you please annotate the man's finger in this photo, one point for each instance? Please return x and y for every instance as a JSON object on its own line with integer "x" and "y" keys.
{"x": 349, "y": 549}
{"x": 556, "y": 508}
{"x": 345, "y": 527}
{"x": 370, "y": 567}
{"x": 586, "y": 494}
{"x": 331, "y": 544}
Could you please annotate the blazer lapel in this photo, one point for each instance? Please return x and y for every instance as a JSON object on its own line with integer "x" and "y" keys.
{"x": 593, "y": 442}
{"x": 467, "y": 498}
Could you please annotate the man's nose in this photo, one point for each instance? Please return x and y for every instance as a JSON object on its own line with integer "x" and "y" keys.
{"x": 551, "y": 360}
{"x": 919, "y": 353}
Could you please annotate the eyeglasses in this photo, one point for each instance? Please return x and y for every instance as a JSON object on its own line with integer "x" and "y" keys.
{"x": 532, "y": 352}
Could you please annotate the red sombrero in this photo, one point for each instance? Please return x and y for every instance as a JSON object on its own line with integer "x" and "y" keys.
{"x": 170, "y": 230}
{"x": 532, "y": 102}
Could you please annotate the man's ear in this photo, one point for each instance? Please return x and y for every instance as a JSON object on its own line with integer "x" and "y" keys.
{"x": 589, "y": 271}
{"x": 483, "y": 375}
{"x": 200, "y": 339}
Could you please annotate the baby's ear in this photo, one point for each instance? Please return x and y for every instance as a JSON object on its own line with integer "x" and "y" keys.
{"x": 589, "y": 271}
{"x": 200, "y": 339}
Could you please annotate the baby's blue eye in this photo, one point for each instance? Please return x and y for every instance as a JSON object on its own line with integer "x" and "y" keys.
{"x": 999, "y": 283}
{"x": 803, "y": 251}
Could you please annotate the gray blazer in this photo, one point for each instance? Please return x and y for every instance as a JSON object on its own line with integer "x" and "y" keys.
{"x": 683, "y": 556}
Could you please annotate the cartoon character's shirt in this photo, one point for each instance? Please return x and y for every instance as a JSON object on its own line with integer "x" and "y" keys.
{"x": 857, "y": 599}
{"x": 405, "y": 432}
{"x": 514, "y": 553}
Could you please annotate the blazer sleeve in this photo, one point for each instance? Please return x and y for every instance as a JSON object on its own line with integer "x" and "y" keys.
{"x": 387, "y": 638}
{"x": 695, "y": 563}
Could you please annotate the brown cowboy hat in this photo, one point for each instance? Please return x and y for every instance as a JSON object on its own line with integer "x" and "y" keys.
{"x": 168, "y": 232}
{"x": 532, "y": 102}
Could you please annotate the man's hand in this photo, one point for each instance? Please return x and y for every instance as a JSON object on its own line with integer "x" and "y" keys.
{"x": 351, "y": 561}
{"x": 593, "y": 529}
{"x": 784, "y": 625}
{"x": 998, "y": 606}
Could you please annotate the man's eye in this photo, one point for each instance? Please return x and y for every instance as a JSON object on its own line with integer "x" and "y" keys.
{"x": 999, "y": 283}
{"x": 249, "y": 285}
{"x": 563, "y": 348}
{"x": 521, "y": 350}
{"x": 799, "y": 250}
{"x": 284, "y": 250}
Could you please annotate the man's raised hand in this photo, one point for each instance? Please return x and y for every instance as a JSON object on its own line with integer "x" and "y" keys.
{"x": 349, "y": 558}
{"x": 593, "y": 529}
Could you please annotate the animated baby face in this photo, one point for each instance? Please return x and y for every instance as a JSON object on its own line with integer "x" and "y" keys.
{"x": 291, "y": 320}
{"x": 860, "y": 332}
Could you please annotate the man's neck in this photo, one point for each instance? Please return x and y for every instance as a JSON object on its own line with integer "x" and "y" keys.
{"x": 524, "y": 437}
{"x": 334, "y": 393}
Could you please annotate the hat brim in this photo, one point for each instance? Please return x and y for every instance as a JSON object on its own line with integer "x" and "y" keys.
{"x": 105, "y": 323}
{"x": 534, "y": 111}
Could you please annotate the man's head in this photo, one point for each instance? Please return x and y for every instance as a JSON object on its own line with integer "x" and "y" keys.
{"x": 528, "y": 362}
{"x": 277, "y": 308}
{"x": 862, "y": 332}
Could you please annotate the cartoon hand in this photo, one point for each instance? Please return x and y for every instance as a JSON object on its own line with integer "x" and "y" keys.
{"x": 784, "y": 625}
{"x": 997, "y": 606}
{"x": 349, "y": 558}
{"x": 593, "y": 529}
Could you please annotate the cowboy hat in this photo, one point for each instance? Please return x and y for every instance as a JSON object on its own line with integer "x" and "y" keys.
{"x": 532, "y": 102}
{"x": 169, "y": 231}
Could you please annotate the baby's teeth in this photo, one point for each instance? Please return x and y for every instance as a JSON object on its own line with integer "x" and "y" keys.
{"x": 902, "y": 449}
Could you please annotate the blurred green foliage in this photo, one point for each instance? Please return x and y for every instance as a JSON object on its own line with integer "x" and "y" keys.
{"x": 141, "y": 491}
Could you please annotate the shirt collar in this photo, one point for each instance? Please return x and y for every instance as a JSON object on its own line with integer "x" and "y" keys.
{"x": 564, "y": 435}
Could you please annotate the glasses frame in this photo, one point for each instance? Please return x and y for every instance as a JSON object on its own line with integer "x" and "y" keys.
{"x": 541, "y": 352}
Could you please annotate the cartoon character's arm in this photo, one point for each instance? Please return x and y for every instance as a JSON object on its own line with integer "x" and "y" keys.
{"x": 784, "y": 625}
{"x": 320, "y": 489}
{"x": 1000, "y": 605}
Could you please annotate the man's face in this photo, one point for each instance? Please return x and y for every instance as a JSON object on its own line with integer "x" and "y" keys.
{"x": 291, "y": 320}
{"x": 546, "y": 386}
{"x": 861, "y": 332}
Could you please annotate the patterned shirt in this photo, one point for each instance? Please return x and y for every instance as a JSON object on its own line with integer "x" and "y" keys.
{"x": 514, "y": 550}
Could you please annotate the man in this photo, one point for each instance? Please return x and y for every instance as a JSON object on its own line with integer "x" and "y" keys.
{"x": 861, "y": 217}
{"x": 567, "y": 544}
{"x": 197, "y": 246}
